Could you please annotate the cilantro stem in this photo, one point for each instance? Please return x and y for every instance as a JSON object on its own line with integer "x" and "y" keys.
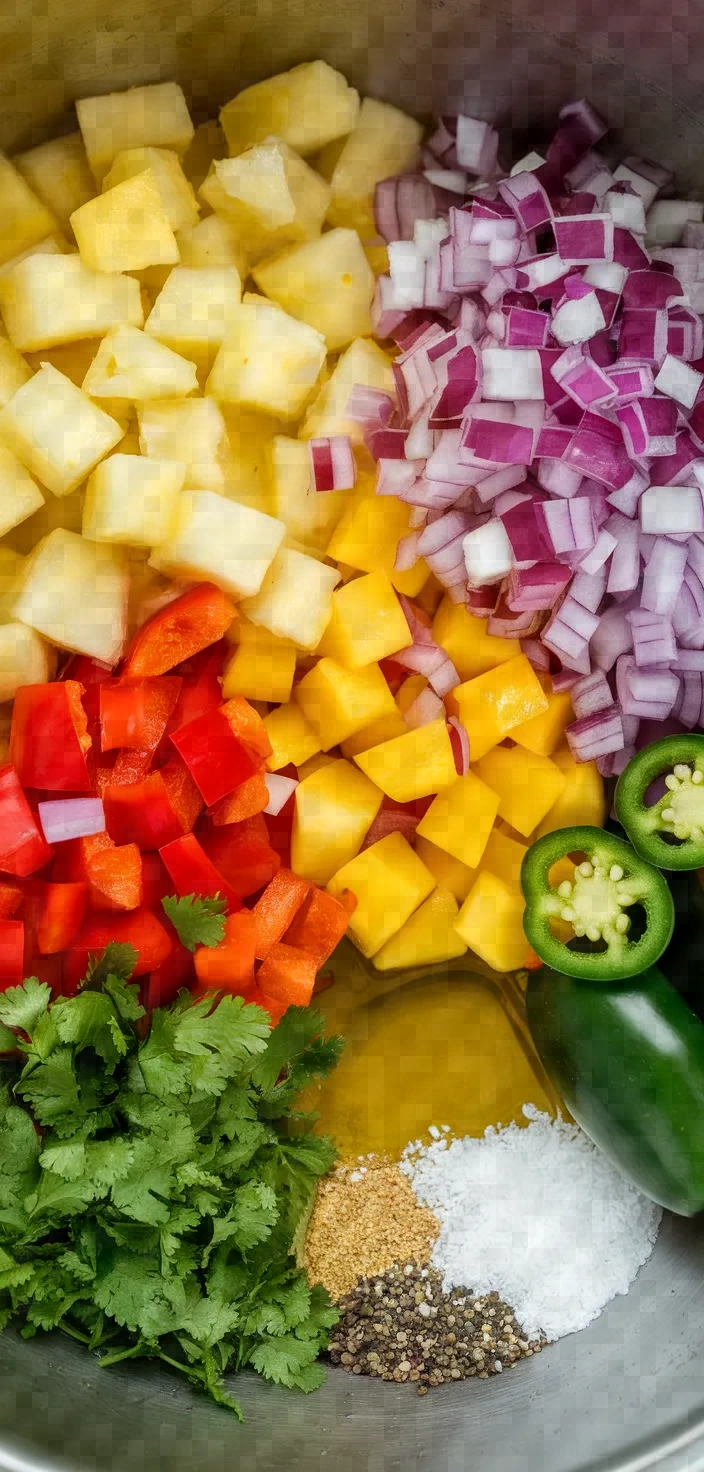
{"x": 189, "y": 1370}
{"x": 74, "y": 1333}
{"x": 132, "y": 1353}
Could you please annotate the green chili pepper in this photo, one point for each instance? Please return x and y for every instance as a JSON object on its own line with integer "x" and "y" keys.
{"x": 595, "y": 904}
{"x": 629, "y": 1063}
{"x": 671, "y": 832}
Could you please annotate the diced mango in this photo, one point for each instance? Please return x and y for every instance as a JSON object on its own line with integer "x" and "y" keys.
{"x": 365, "y": 363}
{"x": 373, "y": 735}
{"x": 504, "y": 857}
{"x": 291, "y": 737}
{"x": 262, "y": 667}
{"x": 310, "y": 518}
{"x": 527, "y": 786}
{"x": 464, "y": 638}
{"x": 449, "y": 873}
{"x": 367, "y": 537}
{"x": 491, "y": 923}
{"x": 295, "y": 599}
{"x": 338, "y": 702}
{"x": 544, "y": 733}
{"x": 428, "y": 938}
{"x": 389, "y": 882}
{"x": 581, "y": 799}
{"x": 367, "y": 623}
{"x": 314, "y": 764}
{"x": 335, "y": 808}
{"x": 413, "y": 765}
{"x": 493, "y": 704}
{"x": 409, "y": 691}
{"x": 461, "y": 818}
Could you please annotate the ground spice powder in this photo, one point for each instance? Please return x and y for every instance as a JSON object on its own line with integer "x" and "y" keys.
{"x": 365, "y": 1219}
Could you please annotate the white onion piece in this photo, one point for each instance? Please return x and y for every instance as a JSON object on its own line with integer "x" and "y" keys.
{"x": 71, "y": 817}
{"x": 279, "y": 789}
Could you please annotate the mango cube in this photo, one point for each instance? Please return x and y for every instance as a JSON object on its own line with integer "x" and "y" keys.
{"x": 337, "y": 702}
{"x": 177, "y": 196}
{"x": 504, "y": 857}
{"x": 334, "y": 809}
{"x": 212, "y": 242}
{"x": 373, "y": 735}
{"x": 367, "y": 536}
{"x": 408, "y": 692}
{"x": 461, "y": 818}
{"x": 581, "y": 799}
{"x": 449, "y": 873}
{"x": 308, "y": 106}
{"x": 367, "y": 623}
{"x": 195, "y": 309}
{"x": 14, "y": 370}
{"x": 544, "y": 733}
{"x": 51, "y": 299}
{"x": 191, "y": 431}
{"x": 491, "y": 705}
{"x": 57, "y": 432}
{"x": 427, "y": 939}
{"x": 25, "y": 659}
{"x": 24, "y": 219}
{"x": 295, "y": 599}
{"x": 155, "y": 115}
{"x": 413, "y": 765}
{"x": 526, "y": 785}
{"x": 125, "y": 229}
{"x": 389, "y": 882}
{"x": 267, "y": 361}
{"x": 132, "y": 366}
{"x": 133, "y": 500}
{"x": 327, "y": 283}
{"x": 364, "y": 363}
{"x": 310, "y": 518}
{"x": 464, "y": 638}
{"x": 269, "y": 195}
{"x": 20, "y": 496}
{"x": 261, "y": 667}
{"x": 383, "y": 142}
{"x": 213, "y": 538}
{"x": 491, "y": 923}
{"x": 291, "y": 737}
{"x": 74, "y": 593}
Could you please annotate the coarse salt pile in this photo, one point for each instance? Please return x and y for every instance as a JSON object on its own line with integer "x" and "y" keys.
{"x": 537, "y": 1215}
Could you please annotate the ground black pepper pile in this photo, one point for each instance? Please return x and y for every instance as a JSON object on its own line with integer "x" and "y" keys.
{"x": 401, "y": 1326}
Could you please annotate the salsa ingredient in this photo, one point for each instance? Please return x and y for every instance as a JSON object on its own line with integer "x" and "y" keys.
{"x": 537, "y": 1215}
{"x": 678, "y": 814}
{"x": 365, "y": 1219}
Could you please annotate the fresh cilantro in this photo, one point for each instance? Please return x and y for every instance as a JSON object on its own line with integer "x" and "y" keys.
{"x": 118, "y": 959}
{"x": 24, "y": 1006}
{"x": 197, "y": 921}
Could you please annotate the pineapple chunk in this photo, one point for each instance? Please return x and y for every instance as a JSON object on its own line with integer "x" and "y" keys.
{"x": 334, "y": 810}
{"x": 62, "y": 513}
{"x": 59, "y": 174}
{"x": 56, "y": 430}
{"x": 48, "y": 300}
{"x": 270, "y": 195}
{"x": 262, "y": 667}
{"x": 54, "y": 245}
{"x": 177, "y": 196}
{"x": 14, "y": 371}
{"x": 363, "y": 363}
{"x": 188, "y": 430}
{"x": 310, "y": 518}
{"x": 212, "y": 242}
{"x": 428, "y": 938}
{"x": 11, "y": 564}
{"x": 155, "y": 115}
{"x": 367, "y": 624}
{"x": 71, "y": 358}
{"x": 127, "y": 228}
{"x": 267, "y": 361}
{"x": 24, "y": 219}
{"x": 207, "y": 144}
{"x": 308, "y": 106}
{"x": 390, "y": 882}
{"x": 74, "y": 592}
{"x": 245, "y": 459}
{"x": 295, "y": 601}
{"x": 327, "y": 283}
{"x": 25, "y": 659}
{"x": 216, "y": 539}
{"x": 337, "y": 703}
{"x": 133, "y": 500}
{"x": 130, "y": 365}
{"x": 20, "y": 496}
{"x": 195, "y": 309}
{"x": 383, "y": 142}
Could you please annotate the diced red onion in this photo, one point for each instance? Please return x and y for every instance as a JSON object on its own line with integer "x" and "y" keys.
{"x": 663, "y": 576}
{"x": 425, "y": 708}
{"x": 668, "y": 510}
{"x": 476, "y": 146}
{"x": 653, "y": 638}
{"x": 459, "y": 741}
{"x": 71, "y": 817}
{"x": 596, "y": 735}
{"x": 391, "y": 820}
{"x": 280, "y": 790}
{"x": 591, "y": 695}
{"x": 399, "y": 202}
{"x": 534, "y": 589}
{"x": 332, "y": 463}
{"x": 679, "y": 381}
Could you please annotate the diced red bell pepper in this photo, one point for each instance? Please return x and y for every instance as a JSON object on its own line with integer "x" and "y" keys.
{"x": 156, "y": 881}
{"x": 243, "y": 855}
{"x": 166, "y": 980}
{"x": 139, "y": 928}
{"x": 193, "y": 872}
{"x": 271, "y": 1005}
{"x": 11, "y": 953}
{"x": 247, "y": 725}
{"x": 229, "y": 965}
{"x": 320, "y": 924}
{"x": 198, "y": 618}
{"x": 72, "y": 858}
{"x": 115, "y": 878}
{"x": 153, "y": 812}
{"x": 275, "y": 909}
{"x": 287, "y": 975}
{"x": 49, "y": 737}
{"x": 215, "y": 758}
{"x": 61, "y": 917}
{"x": 131, "y": 766}
{"x": 250, "y": 798}
{"x": 135, "y": 713}
{"x": 23, "y": 847}
{"x": 11, "y": 897}
{"x": 201, "y": 689}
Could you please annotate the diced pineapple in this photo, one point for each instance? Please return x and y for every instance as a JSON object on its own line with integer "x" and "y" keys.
{"x": 155, "y": 115}
{"x": 267, "y": 361}
{"x": 24, "y": 219}
{"x": 449, "y": 873}
{"x": 132, "y": 366}
{"x": 338, "y": 702}
{"x": 327, "y": 283}
{"x": 48, "y": 300}
{"x": 188, "y": 430}
{"x": 389, "y": 882}
{"x": 177, "y": 197}
{"x": 207, "y": 144}
{"x": 427, "y": 938}
{"x": 213, "y": 538}
{"x": 310, "y": 518}
{"x": 127, "y": 228}
{"x": 367, "y": 624}
{"x": 334, "y": 809}
{"x": 74, "y": 592}
{"x": 59, "y": 174}
{"x": 245, "y": 458}
{"x": 383, "y": 142}
{"x": 14, "y": 370}
{"x": 367, "y": 536}
{"x": 133, "y": 500}
{"x": 20, "y": 496}
{"x": 292, "y": 739}
{"x": 70, "y": 358}
{"x": 308, "y": 106}
{"x": 11, "y": 564}
{"x": 262, "y": 667}
{"x": 363, "y": 363}
{"x": 295, "y": 601}
{"x": 212, "y": 242}
{"x": 57, "y": 432}
{"x": 54, "y": 245}
{"x": 196, "y": 309}
{"x": 270, "y": 196}
{"x": 25, "y": 659}
{"x": 59, "y": 513}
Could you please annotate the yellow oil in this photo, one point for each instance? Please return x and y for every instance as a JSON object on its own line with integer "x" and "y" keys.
{"x": 429, "y": 1049}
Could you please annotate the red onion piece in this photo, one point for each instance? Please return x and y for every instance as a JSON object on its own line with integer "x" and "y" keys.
{"x": 591, "y": 695}
{"x": 596, "y": 736}
{"x": 332, "y": 463}
{"x": 280, "y": 789}
{"x": 459, "y": 741}
{"x": 425, "y": 708}
{"x": 71, "y": 817}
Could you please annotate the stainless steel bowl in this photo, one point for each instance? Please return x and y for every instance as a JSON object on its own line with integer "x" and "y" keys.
{"x": 627, "y": 1393}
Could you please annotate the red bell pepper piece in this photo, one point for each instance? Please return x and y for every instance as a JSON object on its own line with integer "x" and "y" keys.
{"x": 320, "y": 924}
{"x": 135, "y": 713}
{"x": 287, "y": 975}
{"x": 215, "y": 758}
{"x": 11, "y": 953}
{"x": 275, "y": 909}
{"x": 153, "y": 812}
{"x": 23, "y": 847}
{"x": 139, "y": 928}
{"x": 131, "y": 766}
{"x": 11, "y": 897}
{"x": 115, "y": 878}
{"x": 193, "y": 872}
{"x": 250, "y": 798}
{"x": 165, "y": 981}
{"x": 198, "y": 618}
{"x": 64, "y": 906}
{"x": 247, "y": 725}
{"x": 243, "y": 855}
{"x": 156, "y": 881}
{"x": 271, "y": 1005}
{"x": 230, "y": 965}
{"x": 201, "y": 689}
{"x": 49, "y": 737}
{"x": 280, "y": 825}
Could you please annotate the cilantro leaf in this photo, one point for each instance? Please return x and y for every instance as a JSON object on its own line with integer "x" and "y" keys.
{"x": 8, "y": 1041}
{"x": 290, "y": 1361}
{"x": 24, "y": 1006}
{"x": 197, "y": 921}
{"x": 125, "y": 997}
{"x": 250, "y": 1219}
{"x": 297, "y": 1049}
{"x": 118, "y": 959}
{"x": 88, "y": 1021}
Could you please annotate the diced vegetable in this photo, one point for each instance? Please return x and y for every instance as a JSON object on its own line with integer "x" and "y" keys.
{"x": 243, "y": 855}
{"x": 11, "y": 953}
{"x": 389, "y": 882}
{"x": 461, "y": 818}
{"x": 134, "y": 713}
{"x": 140, "y": 929}
{"x": 193, "y": 872}
{"x": 286, "y": 974}
{"x": 187, "y": 625}
{"x": 275, "y": 910}
{"x": 49, "y": 737}
{"x": 229, "y": 965}
{"x": 427, "y": 938}
{"x": 62, "y": 914}
{"x": 319, "y": 925}
{"x": 155, "y": 811}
